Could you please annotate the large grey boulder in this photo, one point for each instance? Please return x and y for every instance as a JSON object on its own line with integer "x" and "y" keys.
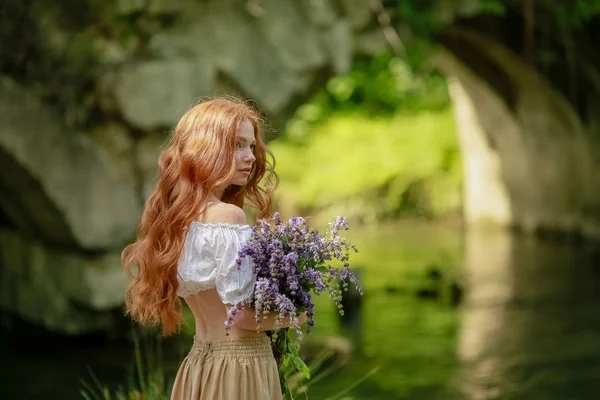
{"x": 271, "y": 54}
{"x": 62, "y": 290}
{"x": 61, "y": 186}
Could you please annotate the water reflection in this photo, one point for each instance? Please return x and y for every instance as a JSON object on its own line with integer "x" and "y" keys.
{"x": 530, "y": 326}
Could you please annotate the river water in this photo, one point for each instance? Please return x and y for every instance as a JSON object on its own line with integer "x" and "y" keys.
{"x": 446, "y": 315}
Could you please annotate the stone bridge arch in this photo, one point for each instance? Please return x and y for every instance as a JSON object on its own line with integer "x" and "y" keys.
{"x": 528, "y": 131}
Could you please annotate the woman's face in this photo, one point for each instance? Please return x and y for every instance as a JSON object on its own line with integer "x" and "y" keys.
{"x": 244, "y": 153}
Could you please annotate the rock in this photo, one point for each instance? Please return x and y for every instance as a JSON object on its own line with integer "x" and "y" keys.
{"x": 249, "y": 60}
{"x": 339, "y": 42}
{"x": 359, "y": 12}
{"x": 149, "y": 6}
{"x": 111, "y": 52}
{"x": 65, "y": 291}
{"x": 371, "y": 43}
{"x": 223, "y": 40}
{"x": 146, "y": 153}
{"x": 268, "y": 50}
{"x": 61, "y": 186}
{"x": 115, "y": 140}
{"x": 320, "y": 12}
{"x": 130, "y": 6}
{"x": 100, "y": 283}
{"x": 157, "y": 93}
{"x": 295, "y": 40}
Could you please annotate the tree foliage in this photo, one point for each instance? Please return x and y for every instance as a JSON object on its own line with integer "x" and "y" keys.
{"x": 426, "y": 16}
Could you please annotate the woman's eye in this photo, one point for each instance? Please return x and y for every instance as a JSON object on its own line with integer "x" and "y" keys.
{"x": 253, "y": 147}
{"x": 238, "y": 145}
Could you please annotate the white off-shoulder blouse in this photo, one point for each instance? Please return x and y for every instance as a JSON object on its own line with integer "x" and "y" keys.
{"x": 208, "y": 261}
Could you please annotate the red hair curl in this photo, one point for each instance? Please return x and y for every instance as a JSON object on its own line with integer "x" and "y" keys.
{"x": 198, "y": 158}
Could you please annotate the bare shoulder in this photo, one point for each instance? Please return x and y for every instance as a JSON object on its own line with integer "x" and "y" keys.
{"x": 225, "y": 213}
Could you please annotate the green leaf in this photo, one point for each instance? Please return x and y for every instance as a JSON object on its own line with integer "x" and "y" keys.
{"x": 494, "y": 7}
{"x": 285, "y": 387}
{"x": 301, "y": 366}
{"x": 297, "y": 361}
{"x": 322, "y": 268}
{"x": 292, "y": 348}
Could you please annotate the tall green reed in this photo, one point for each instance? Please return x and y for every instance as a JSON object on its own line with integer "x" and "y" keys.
{"x": 145, "y": 381}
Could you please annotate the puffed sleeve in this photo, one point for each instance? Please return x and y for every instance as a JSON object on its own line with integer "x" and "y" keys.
{"x": 197, "y": 270}
{"x": 234, "y": 283}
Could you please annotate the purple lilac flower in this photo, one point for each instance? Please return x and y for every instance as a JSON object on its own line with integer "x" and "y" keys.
{"x": 291, "y": 264}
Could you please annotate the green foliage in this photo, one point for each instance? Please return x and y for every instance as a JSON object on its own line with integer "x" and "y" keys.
{"x": 420, "y": 15}
{"x": 493, "y": 7}
{"x": 428, "y": 17}
{"x": 375, "y": 87}
{"x": 569, "y": 14}
{"x": 378, "y": 142}
{"x": 373, "y": 168}
{"x": 56, "y": 56}
{"x": 300, "y": 387}
{"x": 288, "y": 359}
{"x": 300, "y": 378}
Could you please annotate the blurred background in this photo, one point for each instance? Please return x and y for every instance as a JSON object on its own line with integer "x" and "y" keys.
{"x": 459, "y": 137}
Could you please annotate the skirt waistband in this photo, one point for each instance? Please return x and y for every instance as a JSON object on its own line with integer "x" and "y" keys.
{"x": 250, "y": 347}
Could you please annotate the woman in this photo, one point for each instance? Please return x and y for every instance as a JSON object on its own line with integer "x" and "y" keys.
{"x": 191, "y": 229}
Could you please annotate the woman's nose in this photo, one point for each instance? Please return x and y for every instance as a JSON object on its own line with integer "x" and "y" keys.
{"x": 250, "y": 157}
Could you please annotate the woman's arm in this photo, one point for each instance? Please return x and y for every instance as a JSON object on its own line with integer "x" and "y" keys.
{"x": 246, "y": 319}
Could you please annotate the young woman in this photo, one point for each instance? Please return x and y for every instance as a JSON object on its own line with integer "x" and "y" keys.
{"x": 191, "y": 230}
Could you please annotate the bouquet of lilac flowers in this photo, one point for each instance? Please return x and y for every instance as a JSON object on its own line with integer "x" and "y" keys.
{"x": 292, "y": 264}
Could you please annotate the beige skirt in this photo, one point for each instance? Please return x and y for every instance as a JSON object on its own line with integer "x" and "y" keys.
{"x": 233, "y": 369}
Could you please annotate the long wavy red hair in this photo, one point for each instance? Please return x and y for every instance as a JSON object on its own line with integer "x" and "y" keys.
{"x": 198, "y": 158}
